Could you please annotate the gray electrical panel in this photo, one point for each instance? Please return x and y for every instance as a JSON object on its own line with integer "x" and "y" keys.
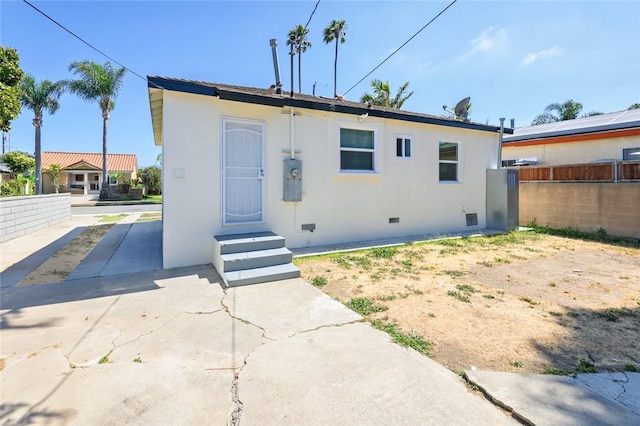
{"x": 502, "y": 199}
{"x": 292, "y": 180}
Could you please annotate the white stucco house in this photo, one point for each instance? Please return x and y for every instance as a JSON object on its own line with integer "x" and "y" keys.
{"x": 613, "y": 136}
{"x": 239, "y": 161}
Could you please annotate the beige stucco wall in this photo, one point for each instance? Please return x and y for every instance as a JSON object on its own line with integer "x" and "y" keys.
{"x": 572, "y": 152}
{"x": 585, "y": 206}
{"x": 344, "y": 207}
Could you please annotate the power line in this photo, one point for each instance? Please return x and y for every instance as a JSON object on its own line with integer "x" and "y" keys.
{"x": 402, "y": 45}
{"x": 311, "y": 16}
{"x": 84, "y": 41}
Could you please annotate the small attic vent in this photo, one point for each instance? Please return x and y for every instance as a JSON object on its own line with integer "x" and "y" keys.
{"x": 394, "y": 220}
{"x": 472, "y": 219}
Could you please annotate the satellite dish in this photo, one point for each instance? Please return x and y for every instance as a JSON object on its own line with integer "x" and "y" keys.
{"x": 461, "y": 108}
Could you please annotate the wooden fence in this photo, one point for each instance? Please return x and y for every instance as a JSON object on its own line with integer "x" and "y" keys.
{"x": 614, "y": 171}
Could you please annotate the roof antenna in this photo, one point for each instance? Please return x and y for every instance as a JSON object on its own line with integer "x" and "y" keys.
{"x": 276, "y": 65}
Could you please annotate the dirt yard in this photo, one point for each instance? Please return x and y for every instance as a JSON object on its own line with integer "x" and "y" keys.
{"x": 522, "y": 302}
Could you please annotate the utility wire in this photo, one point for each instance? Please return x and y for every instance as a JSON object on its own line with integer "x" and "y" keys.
{"x": 85, "y": 42}
{"x": 401, "y": 46}
{"x": 311, "y": 16}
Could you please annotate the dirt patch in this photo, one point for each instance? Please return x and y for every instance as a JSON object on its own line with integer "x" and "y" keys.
{"x": 521, "y": 302}
{"x": 60, "y": 265}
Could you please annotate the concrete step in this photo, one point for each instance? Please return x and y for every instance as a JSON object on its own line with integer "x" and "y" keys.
{"x": 256, "y": 259}
{"x": 261, "y": 275}
{"x": 248, "y": 242}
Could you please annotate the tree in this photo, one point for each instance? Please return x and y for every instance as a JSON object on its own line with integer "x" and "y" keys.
{"x": 298, "y": 38}
{"x": 634, "y": 106}
{"x": 567, "y": 110}
{"x": 39, "y": 97}
{"x": 10, "y": 77}
{"x": 54, "y": 171}
{"x": 18, "y": 162}
{"x": 101, "y": 84}
{"x": 152, "y": 179}
{"x": 381, "y": 95}
{"x": 335, "y": 32}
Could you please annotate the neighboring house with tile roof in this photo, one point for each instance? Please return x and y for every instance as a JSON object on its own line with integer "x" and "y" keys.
{"x": 613, "y": 136}
{"x": 314, "y": 170}
{"x": 81, "y": 172}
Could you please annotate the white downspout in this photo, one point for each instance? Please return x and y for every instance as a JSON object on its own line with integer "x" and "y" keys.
{"x": 292, "y": 145}
{"x": 499, "y": 163}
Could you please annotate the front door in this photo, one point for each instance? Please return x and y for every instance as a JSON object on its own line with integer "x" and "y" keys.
{"x": 242, "y": 172}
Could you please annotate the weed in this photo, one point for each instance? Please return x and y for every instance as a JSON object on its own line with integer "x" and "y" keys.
{"x": 624, "y": 277}
{"x": 403, "y": 295}
{"x": 365, "y": 306}
{"x": 573, "y": 314}
{"x": 448, "y": 251}
{"x": 319, "y": 281}
{"x": 406, "y": 263}
{"x": 384, "y": 252}
{"x": 555, "y": 314}
{"x": 553, "y": 284}
{"x": 342, "y": 261}
{"x": 376, "y": 277}
{"x": 104, "y": 359}
{"x": 623, "y": 312}
{"x": 501, "y": 292}
{"x": 555, "y": 372}
{"x": 112, "y": 218}
{"x": 599, "y": 235}
{"x": 387, "y": 298}
{"x": 517, "y": 364}
{"x": 137, "y": 359}
{"x": 432, "y": 315}
{"x": 486, "y": 263}
{"x": 449, "y": 243}
{"x": 609, "y": 316}
{"x": 362, "y": 261}
{"x": 488, "y": 296}
{"x": 630, "y": 368}
{"x": 410, "y": 339}
{"x": 585, "y": 366}
{"x": 461, "y": 296}
{"x": 501, "y": 260}
{"x": 528, "y": 300}
{"x": 453, "y": 273}
{"x": 395, "y": 271}
{"x": 466, "y": 288}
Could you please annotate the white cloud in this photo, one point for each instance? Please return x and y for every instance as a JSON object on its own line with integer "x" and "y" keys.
{"x": 546, "y": 53}
{"x": 489, "y": 40}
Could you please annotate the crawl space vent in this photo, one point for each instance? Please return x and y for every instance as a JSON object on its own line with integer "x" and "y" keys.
{"x": 394, "y": 220}
{"x": 472, "y": 219}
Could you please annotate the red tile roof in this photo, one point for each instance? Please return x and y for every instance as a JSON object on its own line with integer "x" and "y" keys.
{"x": 120, "y": 163}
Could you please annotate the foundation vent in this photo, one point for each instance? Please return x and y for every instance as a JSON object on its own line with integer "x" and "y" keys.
{"x": 472, "y": 219}
{"x": 394, "y": 220}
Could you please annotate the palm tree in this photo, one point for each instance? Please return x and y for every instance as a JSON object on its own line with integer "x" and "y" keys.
{"x": 39, "y": 97}
{"x": 568, "y": 110}
{"x": 381, "y": 95}
{"x": 298, "y": 38}
{"x": 335, "y": 31}
{"x": 102, "y": 84}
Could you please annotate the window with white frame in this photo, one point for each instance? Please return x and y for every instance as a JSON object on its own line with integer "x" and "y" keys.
{"x": 403, "y": 146}
{"x": 448, "y": 158}
{"x": 629, "y": 154}
{"x": 357, "y": 150}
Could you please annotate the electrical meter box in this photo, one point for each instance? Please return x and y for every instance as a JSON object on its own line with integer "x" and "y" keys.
{"x": 292, "y": 180}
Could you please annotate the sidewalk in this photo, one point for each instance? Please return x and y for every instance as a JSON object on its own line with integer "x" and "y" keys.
{"x": 175, "y": 347}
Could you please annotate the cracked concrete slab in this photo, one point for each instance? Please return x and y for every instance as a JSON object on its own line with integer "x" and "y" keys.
{"x": 552, "y": 400}
{"x": 131, "y": 393}
{"x": 206, "y": 341}
{"x": 623, "y": 388}
{"x": 354, "y": 374}
{"x": 284, "y": 308}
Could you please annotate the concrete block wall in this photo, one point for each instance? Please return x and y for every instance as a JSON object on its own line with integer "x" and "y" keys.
{"x": 585, "y": 206}
{"x": 22, "y": 215}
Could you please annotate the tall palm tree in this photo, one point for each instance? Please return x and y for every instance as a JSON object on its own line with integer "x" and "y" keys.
{"x": 568, "y": 110}
{"x": 335, "y": 31}
{"x": 381, "y": 95}
{"x": 102, "y": 84}
{"x": 39, "y": 97}
{"x": 298, "y": 38}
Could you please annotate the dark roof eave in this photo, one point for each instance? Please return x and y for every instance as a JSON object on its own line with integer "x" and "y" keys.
{"x": 200, "y": 89}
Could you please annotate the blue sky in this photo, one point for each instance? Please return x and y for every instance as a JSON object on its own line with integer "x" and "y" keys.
{"x": 511, "y": 57}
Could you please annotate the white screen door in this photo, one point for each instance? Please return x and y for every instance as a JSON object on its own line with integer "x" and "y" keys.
{"x": 242, "y": 157}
